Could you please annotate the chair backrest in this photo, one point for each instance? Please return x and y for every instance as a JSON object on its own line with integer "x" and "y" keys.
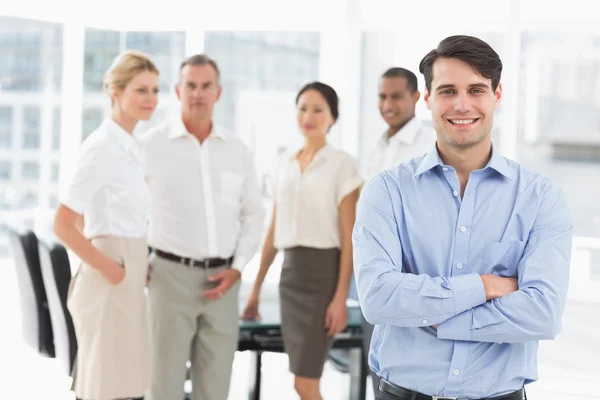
{"x": 36, "y": 325}
{"x": 56, "y": 271}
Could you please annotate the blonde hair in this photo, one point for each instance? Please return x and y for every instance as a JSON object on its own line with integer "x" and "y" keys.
{"x": 124, "y": 68}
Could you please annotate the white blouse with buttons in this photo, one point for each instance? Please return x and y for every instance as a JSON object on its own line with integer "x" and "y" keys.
{"x": 108, "y": 186}
{"x": 307, "y": 203}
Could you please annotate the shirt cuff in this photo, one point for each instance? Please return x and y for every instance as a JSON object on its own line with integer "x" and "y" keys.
{"x": 456, "y": 328}
{"x": 349, "y": 187}
{"x": 467, "y": 292}
{"x": 72, "y": 203}
{"x": 239, "y": 263}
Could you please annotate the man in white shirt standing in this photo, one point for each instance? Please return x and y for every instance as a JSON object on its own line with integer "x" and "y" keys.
{"x": 406, "y": 136}
{"x": 405, "y": 139}
{"x": 206, "y": 223}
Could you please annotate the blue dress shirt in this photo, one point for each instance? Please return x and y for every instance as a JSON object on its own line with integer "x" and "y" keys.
{"x": 419, "y": 250}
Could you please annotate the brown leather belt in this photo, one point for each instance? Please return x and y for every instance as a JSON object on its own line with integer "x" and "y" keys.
{"x": 193, "y": 263}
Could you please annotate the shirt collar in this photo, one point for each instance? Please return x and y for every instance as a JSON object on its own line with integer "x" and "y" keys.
{"x": 179, "y": 130}
{"x": 496, "y": 162}
{"x": 500, "y": 164}
{"x": 125, "y": 139}
{"x": 407, "y": 134}
{"x": 322, "y": 154}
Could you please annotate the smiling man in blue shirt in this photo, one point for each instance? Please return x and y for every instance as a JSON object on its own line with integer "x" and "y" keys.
{"x": 461, "y": 256}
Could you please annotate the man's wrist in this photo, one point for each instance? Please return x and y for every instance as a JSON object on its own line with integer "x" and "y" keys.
{"x": 489, "y": 287}
{"x": 340, "y": 296}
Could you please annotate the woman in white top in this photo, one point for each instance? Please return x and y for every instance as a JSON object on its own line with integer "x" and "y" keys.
{"x": 316, "y": 190}
{"x": 106, "y": 296}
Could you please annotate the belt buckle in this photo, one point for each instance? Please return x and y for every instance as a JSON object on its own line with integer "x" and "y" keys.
{"x": 189, "y": 262}
{"x": 206, "y": 263}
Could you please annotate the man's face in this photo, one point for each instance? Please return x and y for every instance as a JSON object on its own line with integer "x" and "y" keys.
{"x": 198, "y": 90}
{"x": 462, "y": 104}
{"x": 396, "y": 102}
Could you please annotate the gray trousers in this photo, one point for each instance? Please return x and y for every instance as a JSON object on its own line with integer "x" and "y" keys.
{"x": 185, "y": 326}
{"x": 367, "y": 331}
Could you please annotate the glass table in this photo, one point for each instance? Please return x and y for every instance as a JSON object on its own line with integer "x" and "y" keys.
{"x": 265, "y": 336}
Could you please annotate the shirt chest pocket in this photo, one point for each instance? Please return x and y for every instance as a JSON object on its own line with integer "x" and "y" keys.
{"x": 502, "y": 258}
{"x": 230, "y": 187}
{"x": 131, "y": 196}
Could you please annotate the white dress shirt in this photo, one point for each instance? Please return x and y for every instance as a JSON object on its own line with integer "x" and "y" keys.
{"x": 107, "y": 185}
{"x": 413, "y": 140}
{"x": 206, "y": 201}
{"x": 307, "y": 203}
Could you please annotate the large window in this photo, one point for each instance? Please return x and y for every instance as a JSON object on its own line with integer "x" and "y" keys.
{"x": 559, "y": 137}
{"x": 261, "y": 73}
{"x": 559, "y": 107}
{"x": 166, "y": 49}
{"x": 30, "y": 99}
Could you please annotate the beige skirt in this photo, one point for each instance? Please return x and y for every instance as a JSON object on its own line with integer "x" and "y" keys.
{"x": 306, "y": 287}
{"x": 111, "y": 325}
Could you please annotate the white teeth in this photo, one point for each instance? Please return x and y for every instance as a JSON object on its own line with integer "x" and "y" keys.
{"x": 462, "y": 121}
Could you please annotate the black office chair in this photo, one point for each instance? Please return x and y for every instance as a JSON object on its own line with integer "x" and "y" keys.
{"x": 56, "y": 270}
{"x": 36, "y": 325}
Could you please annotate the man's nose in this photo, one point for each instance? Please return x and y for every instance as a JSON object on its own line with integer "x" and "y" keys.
{"x": 462, "y": 103}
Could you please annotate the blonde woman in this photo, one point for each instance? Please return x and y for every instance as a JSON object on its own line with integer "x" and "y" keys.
{"x": 106, "y": 297}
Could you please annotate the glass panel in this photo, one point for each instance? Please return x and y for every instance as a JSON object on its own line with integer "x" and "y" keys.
{"x": 6, "y": 124}
{"x": 92, "y": 118}
{"x": 56, "y": 129}
{"x": 55, "y": 172}
{"x": 5, "y": 170}
{"x": 30, "y": 171}
{"x": 31, "y": 127}
{"x": 101, "y": 47}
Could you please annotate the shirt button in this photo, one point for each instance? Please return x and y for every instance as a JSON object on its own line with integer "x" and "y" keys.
{"x": 456, "y": 372}
{"x": 455, "y": 193}
{"x": 424, "y": 322}
{"x": 463, "y": 229}
{"x": 459, "y": 265}
{"x": 445, "y": 169}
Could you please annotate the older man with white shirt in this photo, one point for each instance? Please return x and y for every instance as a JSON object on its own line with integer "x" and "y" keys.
{"x": 405, "y": 139}
{"x": 206, "y": 224}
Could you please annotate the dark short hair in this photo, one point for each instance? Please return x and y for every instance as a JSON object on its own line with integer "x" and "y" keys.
{"x": 201, "y": 59}
{"x": 398, "y": 72}
{"x": 327, "y": 92}
{"x": 473, "y": 51}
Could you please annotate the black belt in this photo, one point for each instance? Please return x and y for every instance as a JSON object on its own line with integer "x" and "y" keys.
{"x": 190, "y": 262}
{"x": 399, "y": 393}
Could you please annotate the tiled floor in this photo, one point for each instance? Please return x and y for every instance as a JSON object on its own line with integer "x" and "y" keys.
{"x": 569, "y": 366}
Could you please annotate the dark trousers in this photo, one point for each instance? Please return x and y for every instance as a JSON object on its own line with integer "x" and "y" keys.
{"x": 367, "y": 332}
